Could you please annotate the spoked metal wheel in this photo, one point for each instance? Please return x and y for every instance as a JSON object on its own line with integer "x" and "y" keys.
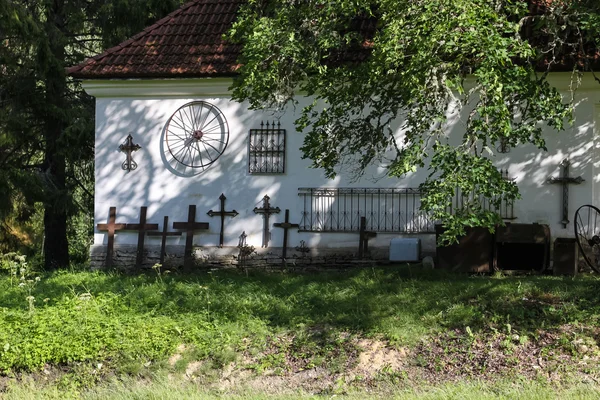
{"x": 196, "y": 135}
{"x": 587, "y": 234}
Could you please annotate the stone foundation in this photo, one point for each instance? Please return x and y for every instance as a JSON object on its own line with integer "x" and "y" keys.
{"x": 228, "y": 257}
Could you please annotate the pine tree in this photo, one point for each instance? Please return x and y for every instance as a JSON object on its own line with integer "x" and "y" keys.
{"x": 46, "y": 120}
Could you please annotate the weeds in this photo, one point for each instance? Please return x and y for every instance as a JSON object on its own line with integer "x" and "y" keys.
{"x": 289, "y": 322}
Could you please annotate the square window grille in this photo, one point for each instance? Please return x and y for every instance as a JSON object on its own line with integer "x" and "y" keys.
{"x": 266, "y": 149}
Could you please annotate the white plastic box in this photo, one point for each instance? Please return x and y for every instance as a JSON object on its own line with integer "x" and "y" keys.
{"x": 405, "y": 249}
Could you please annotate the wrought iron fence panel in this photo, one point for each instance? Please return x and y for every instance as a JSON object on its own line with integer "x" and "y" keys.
{"x": 386, "y": 210}
{"x": 506, "y": 209}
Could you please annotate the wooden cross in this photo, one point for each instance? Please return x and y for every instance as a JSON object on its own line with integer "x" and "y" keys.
{"x": 189, "y": 227}
{"x": 223, "y": 214}
{"x": 565, "y": 180}
{"x": 163, "y": 235}
{"x": 111, "y": 227}
{"x": 142, "y": 228}
{"x": 266, "y": 210}
{"x": 128, "y": 147}
{"x": 363, "y": 242}
{"x": 285, "y": 225}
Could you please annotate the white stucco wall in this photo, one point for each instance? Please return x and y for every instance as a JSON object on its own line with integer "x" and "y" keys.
{"x": 142, "y": 108}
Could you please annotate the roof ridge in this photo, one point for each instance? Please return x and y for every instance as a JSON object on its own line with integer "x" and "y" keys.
{"x": 135, "y": 37}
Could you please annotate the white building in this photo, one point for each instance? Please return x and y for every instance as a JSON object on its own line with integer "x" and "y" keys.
{"x": 171, "y": 82}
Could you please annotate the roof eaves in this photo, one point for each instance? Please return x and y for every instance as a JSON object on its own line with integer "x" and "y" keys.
{"x": 74, "y": 69}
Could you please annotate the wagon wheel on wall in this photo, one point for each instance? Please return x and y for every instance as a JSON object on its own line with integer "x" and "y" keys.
{"x": 587, "y": 234}
{"x": 196, "y": 135}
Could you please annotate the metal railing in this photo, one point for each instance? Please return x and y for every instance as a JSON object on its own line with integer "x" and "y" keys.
{"x": 340, "y": 209}
{"x": 386, "y": 210}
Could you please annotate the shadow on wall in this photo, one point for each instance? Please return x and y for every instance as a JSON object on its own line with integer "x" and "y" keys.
{"x": 167, "y": 190}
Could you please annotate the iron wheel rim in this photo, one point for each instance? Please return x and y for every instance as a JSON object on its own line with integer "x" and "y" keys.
{"x": 588, "y": 235}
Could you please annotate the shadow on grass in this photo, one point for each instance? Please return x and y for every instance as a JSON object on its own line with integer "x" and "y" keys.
{"x": 399, "y": 302}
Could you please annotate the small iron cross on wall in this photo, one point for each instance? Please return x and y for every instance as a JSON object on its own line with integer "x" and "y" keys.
{"x": 565, "y": 180}
{"x": 266, "y": 210}
{"x": 189, "y": 226}
{"x": 285, "y": 225}
{"x": 222, "y": 213}
{"x": 129, "y": 147}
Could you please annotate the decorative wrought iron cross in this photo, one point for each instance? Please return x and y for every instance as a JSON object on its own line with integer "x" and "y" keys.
{"x": 223, "y": 214}
{"x": 111, "y": 227}
{"x": 142, "y": 228}
{"x": 285, "y": 225}
{"x": 164, "y": 234}
{"x": 363, "y": 241}
{"x": 189, "y": 227}
{"x": 245, "y": 249}
{"x": 303, "y": 248}
{"x": 266, "y": 210}
{"x": 565, "y": 179}
{"x": 504, "y": 146}
{"x": 128, "y": 147}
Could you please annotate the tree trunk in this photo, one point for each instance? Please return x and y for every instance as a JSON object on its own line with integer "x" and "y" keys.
{"x": 56, "y": 247}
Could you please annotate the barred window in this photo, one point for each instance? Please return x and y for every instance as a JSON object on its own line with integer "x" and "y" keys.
{"x": 266, "y": 149}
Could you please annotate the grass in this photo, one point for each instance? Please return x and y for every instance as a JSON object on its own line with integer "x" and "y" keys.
{"x": 163, "y": 388}
{"x": 78, "y": 330}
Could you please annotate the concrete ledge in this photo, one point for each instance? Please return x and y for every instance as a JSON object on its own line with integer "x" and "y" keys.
{"x": 228, "y": 257}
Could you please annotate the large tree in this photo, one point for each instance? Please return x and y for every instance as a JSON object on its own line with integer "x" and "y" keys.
{"x": 368, "y": 63}
{"x": 46, "y": 120}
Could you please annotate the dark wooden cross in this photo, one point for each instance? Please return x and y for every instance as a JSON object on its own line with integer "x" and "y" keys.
{"x": 285, "y": 225}
{"x": 223, "y": 214}
{"x": 111, "y": 227}
{"x": 142, "y": 227}
{"x": 128, "y": 147}
{"x": 189, "y": 227}
{"x": 266, "y": 210}
{"x": 164, "y": 234}
{"x": 565, "y": 180}
{"x": 363, "y": 242}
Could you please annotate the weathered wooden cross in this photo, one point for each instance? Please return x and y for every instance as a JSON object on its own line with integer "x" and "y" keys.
{"x": 266, "y": 210}
{"x": 128, "y": 147}
{"x": 189, "y": 227}
{"x": 164, "y": 234}
{"x": 111, "y": 227}
{"x": 565, "y": 180}
{"x": 363, "y": 241}
{"x": 223, "y": 214}
{"x": 285, "y": 225}
{"x": 142, "y": 227}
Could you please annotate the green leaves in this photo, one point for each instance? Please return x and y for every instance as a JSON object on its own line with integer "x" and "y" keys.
{"x": 373, "y": 64}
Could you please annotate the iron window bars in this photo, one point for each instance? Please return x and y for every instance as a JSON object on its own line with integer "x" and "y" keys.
{"x": 266, "y": 149}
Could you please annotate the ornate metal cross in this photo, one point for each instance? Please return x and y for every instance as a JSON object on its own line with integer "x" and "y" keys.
{"x": 245, "y": 249}
{"x": 223, "y": 214}
{"x": 363, "y": 241}
{"x": 266, "y": 210}
{"x": 164, "y": 234}
{"x": 565, "y": 179}
{"x": 128, "y": 147}
{"x": 189, "y": 227}
{"x": 111, "y": 227}
{"x": 285, "y": 225}
{"x": 303, "y": 248}
{"x": 142, "y": 228}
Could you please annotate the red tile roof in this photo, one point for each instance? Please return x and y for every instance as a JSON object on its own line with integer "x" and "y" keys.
{"x": 186, "y": 43}
{"x": 189, "y": 43}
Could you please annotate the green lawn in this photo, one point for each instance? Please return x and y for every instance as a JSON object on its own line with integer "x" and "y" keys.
{"x": 393, "y": 329}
